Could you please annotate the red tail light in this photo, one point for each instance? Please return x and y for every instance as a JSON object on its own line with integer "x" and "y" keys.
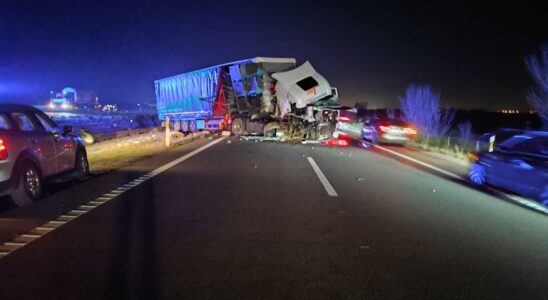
{"x": 3, "y": 150}
{"x": 341, "y": 143}
{"x": 344, "y": 119}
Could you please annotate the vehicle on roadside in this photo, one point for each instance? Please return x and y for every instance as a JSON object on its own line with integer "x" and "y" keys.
{"x": 489, "y": 141}
{"x": 348, "y": 125}
{"x": 33, "y": 150}
{"x": 269, "y": 96}
{"x": 387, "y": 131}
{"x": 519, "y": 164}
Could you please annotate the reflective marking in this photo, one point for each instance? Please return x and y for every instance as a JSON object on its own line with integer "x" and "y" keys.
{"x": 328, "y": 187}
{"x": 66, "y": 218}
{"x": 87, "y": 207}
{"x": 63, "y": 219}
{"x": 14, "y": 244}
{"x": 30, "y": 236}
{"x": 46, "y": 229}
{"x": 55, "y": 222}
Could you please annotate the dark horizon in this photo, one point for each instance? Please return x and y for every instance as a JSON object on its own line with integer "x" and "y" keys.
{"x": 473, "y": 55}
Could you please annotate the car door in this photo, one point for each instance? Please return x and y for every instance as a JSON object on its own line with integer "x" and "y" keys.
{"x": 64, "y": 145}
{"x": 522, "y": 170}
{"x": 38, "y": 141}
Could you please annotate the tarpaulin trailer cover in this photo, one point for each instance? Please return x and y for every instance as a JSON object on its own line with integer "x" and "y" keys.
{"x": 192, "y": 94}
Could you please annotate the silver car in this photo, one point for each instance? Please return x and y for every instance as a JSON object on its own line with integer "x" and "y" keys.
{"x": 34, "y": 150}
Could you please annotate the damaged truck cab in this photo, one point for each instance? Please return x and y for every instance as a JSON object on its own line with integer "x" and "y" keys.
{"x": 258, "y": 96}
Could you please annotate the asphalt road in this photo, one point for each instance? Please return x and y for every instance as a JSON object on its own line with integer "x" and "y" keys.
{"x": 250, "y": 220}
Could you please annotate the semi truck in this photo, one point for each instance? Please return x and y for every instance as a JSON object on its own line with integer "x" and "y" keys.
{"x": 257, "y": 96}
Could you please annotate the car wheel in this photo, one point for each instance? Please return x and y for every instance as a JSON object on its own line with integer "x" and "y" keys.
{"x": 82, "y": 166}
{"x": 477, "y": 174}
{"x": 544, "y": 196}
{"x": 29, "y": 185}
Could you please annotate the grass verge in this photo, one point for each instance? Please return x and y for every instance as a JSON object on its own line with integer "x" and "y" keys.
{"x": 113, "y": 154}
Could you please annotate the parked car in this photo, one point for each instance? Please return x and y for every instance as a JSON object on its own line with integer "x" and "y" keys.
{"x": 519, "y": 164}
{"x": 34, "y": 150}
{"x": 390, "y": 131}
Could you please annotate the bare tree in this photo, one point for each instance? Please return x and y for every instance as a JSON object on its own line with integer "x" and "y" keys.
{"x": 465, "y": 131}
{"x": 421, "y": 107}
{"x": 391, "y": 113}
{"x": 537, "y": 64}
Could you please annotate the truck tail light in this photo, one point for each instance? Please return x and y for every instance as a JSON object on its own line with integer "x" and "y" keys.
{"x": 3, "y": 150}
{"x": 344, "y": 119}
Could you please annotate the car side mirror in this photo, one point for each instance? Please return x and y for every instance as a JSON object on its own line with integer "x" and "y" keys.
{"x": 67, "y": 129}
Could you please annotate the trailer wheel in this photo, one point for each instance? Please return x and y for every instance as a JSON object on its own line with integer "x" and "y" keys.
{"x": 192, "y": 126}
{"x": 238, "y": 126}
{"x": 184, "y": 126}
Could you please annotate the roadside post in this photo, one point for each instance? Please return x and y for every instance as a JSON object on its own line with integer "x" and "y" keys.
{"x": 168, "y": 133}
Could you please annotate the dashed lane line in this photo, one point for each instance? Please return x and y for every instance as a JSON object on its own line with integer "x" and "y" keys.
{"x": 37, "y": 232}
{"x": 328, "y": 187}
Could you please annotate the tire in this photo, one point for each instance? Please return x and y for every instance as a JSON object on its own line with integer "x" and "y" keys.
{"x": 544, "y": 196}
{"x": 477, "y": 174}
{"x": 238, "y": 126}
{"x": 270, "y": 129}
{"x": 192, "y": 126}
{"x": 29, "y": 185}
{"x": 81, "y": 168}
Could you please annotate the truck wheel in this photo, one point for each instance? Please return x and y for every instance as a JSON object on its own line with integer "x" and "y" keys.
{"x": 238, "y": 126}
{"x": 192, "y": 126}
{"x": 271, "y": 129}
{"x": 184, "y": 126}
{"x": 29, "y": 185}
{"x": 544, "y": 196}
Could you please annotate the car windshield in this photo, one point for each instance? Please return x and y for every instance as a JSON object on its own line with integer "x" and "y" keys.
{"x": 513, "y": 141}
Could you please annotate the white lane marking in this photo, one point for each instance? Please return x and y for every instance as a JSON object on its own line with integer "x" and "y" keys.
{"x": 520, "y": 200}
{"x": 30, "y": 236}
{"x": 429, "y": 166}
{"x": 328, "y": 187}
{"x": 75, "y": 213}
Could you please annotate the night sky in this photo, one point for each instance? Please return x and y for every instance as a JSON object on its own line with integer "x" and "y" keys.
{"x": 473, "y": 55}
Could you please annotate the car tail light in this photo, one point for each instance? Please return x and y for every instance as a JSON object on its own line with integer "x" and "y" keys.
{"x": 472, "y": 157}
{"x": 344, "y": 119}
{"x": 3, "y": 150}
{"x": 340, "y": 143}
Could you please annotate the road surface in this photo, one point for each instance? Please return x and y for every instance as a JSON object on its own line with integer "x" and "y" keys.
{"x": 231, "y": 219}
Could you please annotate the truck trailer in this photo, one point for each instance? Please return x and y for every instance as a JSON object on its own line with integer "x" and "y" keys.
{"x": 258, "y": 96}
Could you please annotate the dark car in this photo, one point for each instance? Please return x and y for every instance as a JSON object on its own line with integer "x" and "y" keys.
{"x": 34, "y": 150}
{"x": 519, "y": 164}
{"x": 390, "y": 131}
{"x": 489, "y": 141}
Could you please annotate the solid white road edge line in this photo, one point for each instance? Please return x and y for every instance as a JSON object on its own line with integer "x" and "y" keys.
{"x": 518, "y": 199}
{"x": 429, "y": 166}
{"x": 328, "y": 187}
{"x": 46, "y": 230}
